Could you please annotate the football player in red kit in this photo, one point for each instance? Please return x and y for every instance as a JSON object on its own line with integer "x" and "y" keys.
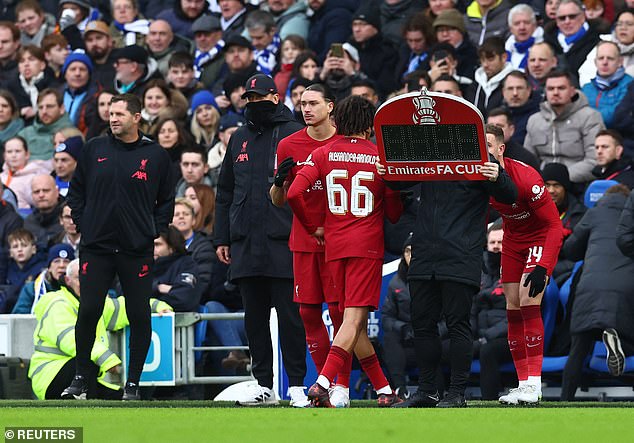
{"x": 531, "y": 243}
{"x": 356, "y": 202}
{"x": 313, "y": 281}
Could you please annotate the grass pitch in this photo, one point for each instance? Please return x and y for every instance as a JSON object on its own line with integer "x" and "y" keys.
{"x": 155, "y": 422}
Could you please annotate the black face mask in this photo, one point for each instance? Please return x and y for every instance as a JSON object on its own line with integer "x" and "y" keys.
{"x": 261, "y": 112}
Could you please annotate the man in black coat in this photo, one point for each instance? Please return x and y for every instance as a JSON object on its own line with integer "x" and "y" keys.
{"x": 444, "y": 275}
{"x": 329, "y": 23}
{"x": 611, "y": 163}
{"x": 251, "y": 234}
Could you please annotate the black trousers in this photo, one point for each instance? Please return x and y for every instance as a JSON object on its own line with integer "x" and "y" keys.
{"x": 492, "y": 354}
{"x": 581, "y": 346}
{"x": 96, "y": 273}
{"x": 432, "y": 299}
{"x": 397, "y": 358}
{"x": 95, "y": 389}
{"x": 259, "y": 295}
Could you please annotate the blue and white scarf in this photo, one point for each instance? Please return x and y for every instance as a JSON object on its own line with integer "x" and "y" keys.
{"x": 415, "y": 62}
{"x": 567, "y": 42}
{"x": 517, "y": 52}
{"x": 201, "y": 58}
{"x": 130, "y": 30}
{"x": 267, "y": 58}
{"x": 603, "y": 83}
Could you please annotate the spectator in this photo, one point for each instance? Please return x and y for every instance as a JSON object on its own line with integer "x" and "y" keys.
{"x": 170, "y": 133}
{"x": 182, "y": 15}
{"x": 438, "y": 6}
{"x": 266, "y": 41}
{"x": 78, "y": 91}
{"x": 443, "y": 61}
{"x": 611, "y": 164}
{"x": 203, "y": 199}
{"x": 608, "y": 272}
{"x": 128, "y": 27}
{"x": 290, "y": 17}
{"x": 232, "y": 16}
{"x": 574, "y": 37}
{"x": 339, "y": 73}
{"x": 194, "y": 169}
{"x": 196, "y": 242}
{"x": 229, "y": 123}
{"x": 291, "y": 47}
{"x": 366, "y": 89}
{"x": 414, "y": 55}
{"x": 609, "y": 87}
{"x": 501, "y": 117}
{"x": 265, "y": 279}
{"x": 398, "y": 335}
{"x": 486, "y": 92}
{"x": 449, "y": 28}
{"x": 205, "y": 118}
{"x": 565, "y": 127}
{"x": 521, "y": 101}
{"x": 43, "y": 222}
{"x": 32, "y": 79}
{"x": 55, "y": 47}
{"x": 48, "y": 280}
{"x": 238, "y": 59}
{"x": 447, "y": 85}
{"x": 78, "y": 13}
{"x": 394, "y": 14}
{"x": 33, "y": 22}
{"x": 570, "y": 211}
{"x": 305, "y": 67}
{"x": 10, "y": 34}
{"x": 158, "y": 101}
{"x": 18, "y": 171}
{"x": 134, "y": 68}
{"x": 181, "y": 75}
{"x": 524, "y": 33}
{"x": 51, "y": 117}
{"x": 69, "y": 235}
{"x": 485, "y": 19}
{"x": 541, "y": 61}
{"x": 233, "y": 88}
{"x": 175, "y": 273}
{"x": 161, "y": 43}
{"x": 98, "y": 113}
{"x": 330, "y": 23}
{"x": 10, "y": 220}
{"x": 208, "y": 45}
{"x": 65, "y": 161}
{"x": 623, "y": 36}
{"x": 624, "y": 120}
{"x": 25, "y": 264}
{"x": 10, "y": 121}
{"x": 99, "y": 44}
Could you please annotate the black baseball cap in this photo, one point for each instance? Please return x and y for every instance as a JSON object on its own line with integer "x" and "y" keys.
{"x": 260, "y": 84}
{"x": 238, "y": 40}
{"x": 133, "y": 53}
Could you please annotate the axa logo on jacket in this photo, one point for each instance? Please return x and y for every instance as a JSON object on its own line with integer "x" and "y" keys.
{"x": 141, "y": 174}
{"x": 243, "y": 156}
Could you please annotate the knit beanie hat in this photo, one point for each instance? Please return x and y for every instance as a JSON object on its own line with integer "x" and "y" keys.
{"x": 557, "y": 172}
{"x": 77, "y": 56}
{"x": 202, "y": 98}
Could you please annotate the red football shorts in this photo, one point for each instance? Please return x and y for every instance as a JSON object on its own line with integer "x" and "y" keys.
{"x": 358, "y": 281}
{"x": 521, "y": 258}
{"x": 313, "y": 279}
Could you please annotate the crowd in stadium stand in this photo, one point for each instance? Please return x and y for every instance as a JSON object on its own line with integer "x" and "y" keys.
{"x": 556, "y": 76}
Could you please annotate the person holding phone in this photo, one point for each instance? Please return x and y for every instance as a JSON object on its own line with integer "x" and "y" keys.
{"x": 341, "y": 69}
{"x": 443, "y": 61}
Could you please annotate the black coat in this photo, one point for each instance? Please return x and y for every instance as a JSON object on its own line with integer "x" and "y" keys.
{"x": 450, "y": 231}
{"x": 605, "y": 293}
{"x": 330, "y": 24}
{"x": 467, "y": 56}
{"x": 45, "y": 227}
{"x": 122, "y": 194}
{"x": 395, "y": 313}
{"x": 488, "y": 312}
{"x": 246, "y": 220}
{"x": 621, "y": 170}
{"x": 23, "y": 99}
{"x": 378, "y": 59}
{"x": 573, "y": 213}
{"x": 204, "y": 255}
{"x": 181, "y": 273}
{"x": 625, "y": 229}
{"x": 520, "y": 115}
{"x": 624, "y": 120}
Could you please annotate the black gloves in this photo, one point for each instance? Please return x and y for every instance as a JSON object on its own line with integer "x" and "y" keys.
{"x": 282, "y": 171}
{"x": 537, "y": 280}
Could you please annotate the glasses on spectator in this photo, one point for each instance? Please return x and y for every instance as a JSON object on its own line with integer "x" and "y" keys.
{"x": 562, "y": 18}
{"x": 624, "y": 24}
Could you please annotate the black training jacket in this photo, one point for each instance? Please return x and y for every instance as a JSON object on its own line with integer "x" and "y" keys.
{"x": 121, "y": 194}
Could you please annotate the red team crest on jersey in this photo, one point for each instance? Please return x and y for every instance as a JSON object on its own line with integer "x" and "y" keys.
{"x": 243, "y": 156}
{"x": 141, "y": 174}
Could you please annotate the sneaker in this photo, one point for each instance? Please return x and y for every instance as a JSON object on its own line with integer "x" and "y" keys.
{"x": 77, "y": 390}
{"x": 419, "y": 399}
{"x": 339, "y": 396}
{"x": 318, "y": 396}
{"x": 388, "y": 400}
{"x": 511, "y": 397}
{"x": 298, "y": 397}
{"x": 131, "y": 392}
{"x": 256, "y": 395}
{"x": 452, "y": 400}
{"x": 616, "y": 357}
{"x": 530, "y": 395}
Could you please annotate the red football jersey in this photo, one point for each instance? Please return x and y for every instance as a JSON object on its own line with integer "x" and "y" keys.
{"x": 533, "y": 215}
{"x": 356, "y": 198}
{"x": 299, "y": 146}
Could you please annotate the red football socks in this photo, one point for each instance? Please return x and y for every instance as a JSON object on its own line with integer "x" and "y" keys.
{"x": 372, "y": 368}
{"x": 343, "y": 378}
{"x": 337, "y": 358}
{"x": 317, "y": 338}
{"x": 517, "y": 344}
{"x": 534, "y": 338}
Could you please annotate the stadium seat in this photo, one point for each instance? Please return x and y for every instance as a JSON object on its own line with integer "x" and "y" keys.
{"x": 595, "y": 191}
{"x": 564, "y": 291}
{"x": 200, "y": 332}
{"x": 550, "y": 304}
{"x": 597, "y": 360}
